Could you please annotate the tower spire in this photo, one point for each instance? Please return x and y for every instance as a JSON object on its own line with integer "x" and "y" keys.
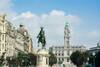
{"x": 67, "y": 35}
{"x": 67, "y": 24}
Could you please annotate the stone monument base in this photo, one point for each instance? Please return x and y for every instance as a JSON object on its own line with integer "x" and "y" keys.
{"x": 42, "y": 66}
{"x": 42, "y": 58}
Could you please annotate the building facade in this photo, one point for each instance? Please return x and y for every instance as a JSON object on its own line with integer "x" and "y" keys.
{"x": 95, "y": 50}
{"x": 13, "y": 40}
{"x": 63, "y": 52}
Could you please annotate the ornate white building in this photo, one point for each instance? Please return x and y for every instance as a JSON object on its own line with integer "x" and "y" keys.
{"x": 63, "y": 52}
{"x": 13, "y": 40}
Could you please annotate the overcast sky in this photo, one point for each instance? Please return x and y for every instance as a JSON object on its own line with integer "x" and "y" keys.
{"x": 82, "y": 15}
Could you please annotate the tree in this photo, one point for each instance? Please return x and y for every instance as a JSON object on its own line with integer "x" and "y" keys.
{"x": 2, "y": 58}
{"x": 91, "y": 58}
{"x": 52, "y": 59}
{"x": 32, "y": 59}
{"x": 11, "y": 61}
{"x": 97, "y": 60}
{"x": 41, "y": 38}
{"x": 78, "y": 58}
{"x": 85, "y": 56}
{"x": 23, "y": 59}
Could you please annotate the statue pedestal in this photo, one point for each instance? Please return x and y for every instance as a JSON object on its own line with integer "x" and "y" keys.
{"x": 42, "y": 58}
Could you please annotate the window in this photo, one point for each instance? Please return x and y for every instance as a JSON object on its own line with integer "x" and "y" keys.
{"x": 0, "y": 47}
{"x": 67, "y": 59}
{"x": 63, "y": 65}
{"x": 41, "y": 58}
{"x": 62, "y": 59}
{"x": 59, "y": 51}
{"x": 59, "y": 59}
{"x": 3, "y": 45}
{"x": 46, "y": 61}
{"x": 3, "y": 28}
{"x": 25, "y": 33}
{"x": 3, "y": 37}
{"x": 59, "y": 54}
{"x": 68, "y": 53}
{"x": 62, "y": 54}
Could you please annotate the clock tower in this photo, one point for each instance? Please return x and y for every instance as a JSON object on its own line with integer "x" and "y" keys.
{"x": 66, "y": 36}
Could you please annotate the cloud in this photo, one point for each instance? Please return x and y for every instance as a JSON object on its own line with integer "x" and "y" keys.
{"x": 57, "y": 13}
{"x": 94, "y": 34}
{"x": 74, "y": 19}
{"x": 6, "y": 8}
{"x": 53, "y": 23}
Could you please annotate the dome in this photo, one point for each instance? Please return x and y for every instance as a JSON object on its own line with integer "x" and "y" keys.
{"x": 23, "y": 30}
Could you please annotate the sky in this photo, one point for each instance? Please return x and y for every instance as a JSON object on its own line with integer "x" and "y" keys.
{"x": 82, "y": 15}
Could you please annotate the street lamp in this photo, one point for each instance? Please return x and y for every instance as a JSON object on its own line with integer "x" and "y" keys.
{"x": 93, "y": 58}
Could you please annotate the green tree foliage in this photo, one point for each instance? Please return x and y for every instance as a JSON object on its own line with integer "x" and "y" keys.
{"x": 60, "y": 62}
{"x": 11, "y": 61}
{"x": 52, "y": 59}
{"x": 23, "y": 59}
{"x": 85, "y": 56}
{"x": 26, "y": 59}
{"x": 2, "y": 58}
{"x": 33, "y": 59}
{"x": 91, "y": 59}
{"x": 78, "y": 58}
{"x": 97, "y": 60}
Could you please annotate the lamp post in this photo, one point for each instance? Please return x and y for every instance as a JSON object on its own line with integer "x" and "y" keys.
{"x": 93, "y": 58}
